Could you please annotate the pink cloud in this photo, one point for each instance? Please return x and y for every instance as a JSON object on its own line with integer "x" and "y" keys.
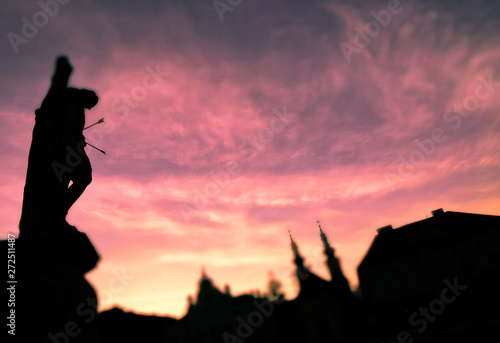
{"x": 352, "y": 123}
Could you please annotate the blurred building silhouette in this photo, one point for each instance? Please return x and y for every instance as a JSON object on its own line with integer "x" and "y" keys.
{"x": 433, "y": 280}
{"x": 447, "y": 265}
{"x": 319, "y": 313}
{"x": 411, "y": 262}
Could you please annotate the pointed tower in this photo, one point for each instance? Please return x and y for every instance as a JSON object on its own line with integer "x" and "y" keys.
{"x": 346, "y": 303}
{"x": 302, "y": 271}
{"x": 298, "y": 259}
{"x": 208, "y": 294}
{"x": 315, "y": 306}
{"x": 333, "y": 263}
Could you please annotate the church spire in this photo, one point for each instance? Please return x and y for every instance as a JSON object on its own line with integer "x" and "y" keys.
{"x": 302, "y": 272}
{"x": 298, "y": 259}
{"x": 333, "y": 264}
{"x": 329, "y": 251}
{"x": 332, "y": 261}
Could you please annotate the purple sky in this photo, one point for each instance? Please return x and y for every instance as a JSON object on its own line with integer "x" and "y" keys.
{"x": 221, "y": 135}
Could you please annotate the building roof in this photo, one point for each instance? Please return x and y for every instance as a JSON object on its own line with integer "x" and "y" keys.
{"x": 440, "y": 228}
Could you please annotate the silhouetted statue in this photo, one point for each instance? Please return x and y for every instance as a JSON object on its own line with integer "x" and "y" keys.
{"x": 57, "y": 156}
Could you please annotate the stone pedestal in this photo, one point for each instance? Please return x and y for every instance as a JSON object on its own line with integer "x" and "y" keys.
{"x": 53, "y": 300}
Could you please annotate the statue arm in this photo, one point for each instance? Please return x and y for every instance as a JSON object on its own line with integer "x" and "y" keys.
{"x": 59, "y": 83}
{"x": 62, "y": 73}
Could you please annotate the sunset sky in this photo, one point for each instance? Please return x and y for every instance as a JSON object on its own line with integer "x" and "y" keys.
{"x": 228, "y": 123}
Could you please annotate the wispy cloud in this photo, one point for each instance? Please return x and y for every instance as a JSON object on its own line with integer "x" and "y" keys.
{"x": 353, "y": 122}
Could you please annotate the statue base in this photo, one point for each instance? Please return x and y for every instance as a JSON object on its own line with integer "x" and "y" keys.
{"x": 53, "y": 300}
